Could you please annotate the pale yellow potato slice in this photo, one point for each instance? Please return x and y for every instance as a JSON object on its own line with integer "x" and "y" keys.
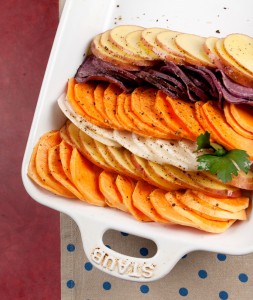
{"x": 99, "y": 51}
{"x": 119, "y": 49}
{"x": 167, "y": 41}
{"x": 148, "y": 38}
{"x": 240, "y": 48}
{"x": 209, "y": 47}
{"x": 193, "y": 45}
{"x": 137, "y": 47}
{"x": 231, "y": 67}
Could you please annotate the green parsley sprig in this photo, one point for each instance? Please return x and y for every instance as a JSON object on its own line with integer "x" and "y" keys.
{"x": 220, "y": 161}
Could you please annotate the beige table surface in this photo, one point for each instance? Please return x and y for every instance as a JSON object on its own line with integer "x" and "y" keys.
{"x": 197, "y": 276}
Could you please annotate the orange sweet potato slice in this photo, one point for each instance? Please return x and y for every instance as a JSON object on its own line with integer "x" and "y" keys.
{"x": 85, "y": 177}
{"x": 185, "y": 111}
{"x": 234, "y": 124}
{"x": 46, "y": 142}
{"x": 99, "y": 99}
{"x": 229, "y": 204}
{"x": 205, "y": 123}
{"x": 110, "y": 191}
{"x": 163, "y": 208}
{"x": 33, "y": 174}
{"x": 209, "y": 211}
{"x": 56, "y": 169}
{"x": 143, "y": 128}
{"x": 142, "y": 104}
{"x": 142, "y": 201}
{"x": 71, "y": 97}
{"x": 123, "y": 118}
{"x": 78, "y": 106}
{"x": 111, "y": 94}
{"x": 243, "y": 114}
{"x": 65, "y": 151}
{"x": 84, "y": 95}
{"x": 231, "y": 138}
{"x": 168, "y": 117}
{"x": 126, "y": 187}
{"x": 200, "y": 222}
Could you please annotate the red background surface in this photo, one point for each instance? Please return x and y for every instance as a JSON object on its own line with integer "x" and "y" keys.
{"x": 29, "y": 232}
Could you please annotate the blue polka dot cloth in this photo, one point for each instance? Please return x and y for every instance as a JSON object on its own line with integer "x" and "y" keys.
{"x": 198, "y": 275}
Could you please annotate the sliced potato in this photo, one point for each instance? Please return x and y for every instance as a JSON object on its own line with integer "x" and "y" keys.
{"x": 209, "y": 47}
{"x": 89, "y": 149}
{"x": 193, "y": 45}
{"x": 118, "y": 47}
{"x": 231, "y": 67}
{"x": 137, "y": 47}
{"x": 98, "y": 50}
{"x": 148, "y": 38}
{"x": 153, "y": 173}
{"x": 119, "y": 33}
{"x": 166, "y": 40}
{"x": 240, "y": 48}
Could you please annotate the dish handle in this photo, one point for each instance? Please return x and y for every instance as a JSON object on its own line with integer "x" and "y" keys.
{"x": 124, "y": 266}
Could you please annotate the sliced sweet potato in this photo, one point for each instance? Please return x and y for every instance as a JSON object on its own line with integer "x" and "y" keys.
{"x": 123, "y": 118}
{"x": 163, "y": 208}
{"x": 168, "y": 117}
{"x": 111, "y": 94}
{"x": 142, "y": 201}
{"x": 243, "y": 115}
{"x": 144, "y": 128}
{"x": 65, "y": 151}
{"x": 142, "y": 104}
{"x": 85, "y": 177}
{"x": 84, "y": 95}
{"x": 205, "y": 123}
{"x": 126, "y": 187}
{"x": 185, "y": 111}
{"x": 99, "y": 99}
{"x": 33, "y": 174}
{"x": 71, "y": 97}
{"x": 46, "y": 142}
{"x": 231, "y": 138}
{"x": 56, "y": 169}
{"x": 229, "y": 204}
{"x": 200, "y": 222}
{"x": 110, "y": 191}
{"x": 234, "y": 124}
{"x": 209, "y": 211}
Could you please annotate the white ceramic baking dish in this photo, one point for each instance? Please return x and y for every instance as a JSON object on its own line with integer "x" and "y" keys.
{"x": 81, "y": 20}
